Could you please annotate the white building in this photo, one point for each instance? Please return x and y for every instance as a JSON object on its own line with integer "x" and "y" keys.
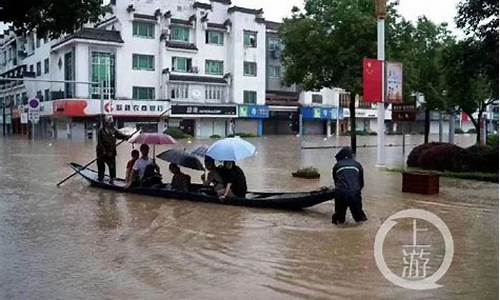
{"x": 202, "y": 62}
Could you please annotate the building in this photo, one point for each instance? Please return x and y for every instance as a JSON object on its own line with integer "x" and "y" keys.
{"x": 202, "y": 64}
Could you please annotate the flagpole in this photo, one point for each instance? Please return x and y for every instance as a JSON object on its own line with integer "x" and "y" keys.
{"x": 381, "y": 10}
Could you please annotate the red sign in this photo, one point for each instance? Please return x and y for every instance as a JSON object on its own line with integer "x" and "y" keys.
{"x": 372, "y": 80}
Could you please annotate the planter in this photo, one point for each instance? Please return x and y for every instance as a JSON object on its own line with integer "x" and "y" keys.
{"x": 426, "y": 184}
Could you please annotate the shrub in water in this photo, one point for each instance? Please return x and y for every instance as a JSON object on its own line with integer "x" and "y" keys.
{"x": 176, "y": 133}
{"x": 444, "y": 157}
{"x": 415, "y": 154}
{"x": 308, "y": 173}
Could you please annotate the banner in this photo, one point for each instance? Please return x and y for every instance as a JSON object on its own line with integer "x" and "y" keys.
{"x": 394, "y": 82}
{"x": 372, "y": 80}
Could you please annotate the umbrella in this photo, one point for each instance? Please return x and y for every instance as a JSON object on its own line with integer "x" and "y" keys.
{"x": 182, "y": 158}
{"x": 200, "y": 151}
{"x": 153, "y": 139}
{"x": 231, "y": 149}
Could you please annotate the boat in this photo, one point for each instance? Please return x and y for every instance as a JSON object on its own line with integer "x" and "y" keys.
{"x": 200, "y": 193}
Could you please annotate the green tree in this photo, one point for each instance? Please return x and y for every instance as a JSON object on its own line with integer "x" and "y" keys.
{"x": 54, "y": 17}
{"x": 325, "y": 45}
{"x": 468, "y": 84}
{"x": 471, "y": 65}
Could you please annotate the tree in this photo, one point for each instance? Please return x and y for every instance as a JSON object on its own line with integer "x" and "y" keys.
{"x": 325, "y": 46}
{"x": 53, "y": 17}
{"x": 471, "y": 65}
{"x": 418, "y": 46}
{"x": 468, "y": 84}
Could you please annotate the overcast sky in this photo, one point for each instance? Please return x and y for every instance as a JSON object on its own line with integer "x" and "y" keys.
{"x": 436, "y": 10}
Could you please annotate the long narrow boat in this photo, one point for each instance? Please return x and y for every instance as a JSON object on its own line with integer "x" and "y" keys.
{"x": 292, "y": 201}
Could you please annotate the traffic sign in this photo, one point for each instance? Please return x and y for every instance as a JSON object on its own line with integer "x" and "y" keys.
{"x": 34, "y": 110}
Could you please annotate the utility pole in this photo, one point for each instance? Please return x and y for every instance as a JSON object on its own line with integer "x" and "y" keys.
{"x": 380, "y": 11}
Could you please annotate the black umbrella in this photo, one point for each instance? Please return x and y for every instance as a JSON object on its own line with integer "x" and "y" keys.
{"x": 182, "y": 158}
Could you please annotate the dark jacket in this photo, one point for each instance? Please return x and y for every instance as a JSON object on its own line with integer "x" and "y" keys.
{"x": 348, "y": 173}
{"x": 106, "y": 142}
{"x": 236, "y": 177}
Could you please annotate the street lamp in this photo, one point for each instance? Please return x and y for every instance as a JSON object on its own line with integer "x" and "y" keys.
{"x": 380, "y": 12}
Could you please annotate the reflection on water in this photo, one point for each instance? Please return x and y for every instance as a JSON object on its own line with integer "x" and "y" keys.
{"x": 81, "y": 242}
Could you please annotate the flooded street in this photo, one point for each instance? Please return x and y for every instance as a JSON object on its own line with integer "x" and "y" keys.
{"x": 78, "y": 242}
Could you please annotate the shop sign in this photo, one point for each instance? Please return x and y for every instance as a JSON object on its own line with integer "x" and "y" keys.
{"x": 253, "y": 111}
{"x": 321, "y": 113}
{"x": 404, "y": 112}
{"x": 183, "y": 110}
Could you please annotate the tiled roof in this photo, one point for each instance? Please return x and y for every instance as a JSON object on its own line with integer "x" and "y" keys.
{"x": 93, "y": 34}
{"x": 181, "y": 45}
{"x": 193, "y": 78}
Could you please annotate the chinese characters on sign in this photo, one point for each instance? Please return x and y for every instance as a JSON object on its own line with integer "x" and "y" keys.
{"x": 415, "y": 256}
{"x": 394, "y": 82}
{"x": 404, "y": 112}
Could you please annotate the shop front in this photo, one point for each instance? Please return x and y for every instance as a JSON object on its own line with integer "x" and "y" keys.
{"x": 203, "y": 120}
{"x": 251, "y": 119}
{"x": 319, "y": 120}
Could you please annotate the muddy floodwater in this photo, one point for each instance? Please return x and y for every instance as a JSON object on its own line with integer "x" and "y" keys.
{"x": 79, "y": 242}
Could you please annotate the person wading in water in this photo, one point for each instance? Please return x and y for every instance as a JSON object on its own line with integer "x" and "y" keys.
{"x": 106, "y": 148}
{"x": 349, "y": 181}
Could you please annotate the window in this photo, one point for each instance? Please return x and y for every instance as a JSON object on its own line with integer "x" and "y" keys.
{"x": 143, "y": 93}
{"x": 103, "y": 71}
{"x": 24, "y": 97}
{"x": 179, "y": 91}
{"x": 143, "y": 29}
{"x": 317, "y": 98}
{"x": 46, "y": 66}
{"x": 47, "y": 95}
{"x": 143, "y": 62}
{"x": 275, "y": 71}
{"x": 214, "y": 67}
{"x": 274, "y": 44}
{"x": 249, "y": 97}
{"x": 250, "y": 39}
{"x": 38, "y": 43}
{"x": 39, "y": 96}
{"x": 214, "y": 37}
{"x": 180, "y": 34}
{"x": 32, "y": 68}
{"x": 181, "y": 64}
{"x": 214, "y": 92}
{"x": 69, "y": 74}
{"x": 39, "y": 68}
{"x": 250, "y": 68}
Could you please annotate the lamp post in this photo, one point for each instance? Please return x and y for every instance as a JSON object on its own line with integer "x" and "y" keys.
{"x": 380, "y": 12}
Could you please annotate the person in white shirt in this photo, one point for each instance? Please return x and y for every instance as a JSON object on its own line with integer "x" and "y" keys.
{"x": 140, "y": 166}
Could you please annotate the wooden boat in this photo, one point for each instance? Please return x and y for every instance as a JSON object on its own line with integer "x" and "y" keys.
{"x": 292, "y": 201}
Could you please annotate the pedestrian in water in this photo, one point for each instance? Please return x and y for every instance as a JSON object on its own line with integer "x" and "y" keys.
{"x": 349, "y": 181}
{"x": 106, "y": 148}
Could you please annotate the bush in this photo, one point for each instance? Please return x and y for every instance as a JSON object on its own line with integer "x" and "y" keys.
{"x": 444, "y": 157}
{"x": 492, "y": 140}
{"x": 482, "y": 158}
{"x": 176, "y": 133}
{"x": 215, "y": 136}
{"x": 415, "y": 154}
{"x": 243, "y": 135}
{"x": 459, "y": 131}
{"x": 472, "y": 131}
{"x": 307, "y": 173}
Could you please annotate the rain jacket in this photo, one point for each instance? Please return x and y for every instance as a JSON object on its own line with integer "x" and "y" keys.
{"x": 106, "y": 142}
{"x": 347, "y": 172}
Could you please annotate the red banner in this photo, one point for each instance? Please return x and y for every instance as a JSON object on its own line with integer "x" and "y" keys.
{"x": 372, "y": 80}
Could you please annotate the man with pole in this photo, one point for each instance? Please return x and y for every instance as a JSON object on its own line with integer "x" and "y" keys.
{"x": 106, "y": 148}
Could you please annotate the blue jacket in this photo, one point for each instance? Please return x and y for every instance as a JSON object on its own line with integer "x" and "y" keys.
{"x": 348, "y": 175}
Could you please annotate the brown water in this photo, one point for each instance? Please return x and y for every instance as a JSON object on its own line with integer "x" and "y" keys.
{"x": 78, "y": 242}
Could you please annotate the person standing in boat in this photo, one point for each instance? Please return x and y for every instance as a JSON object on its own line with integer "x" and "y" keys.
{"x": 349, "y": 181}
{"x": 106, "y": 148}
{"x": 234, "y": 181}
